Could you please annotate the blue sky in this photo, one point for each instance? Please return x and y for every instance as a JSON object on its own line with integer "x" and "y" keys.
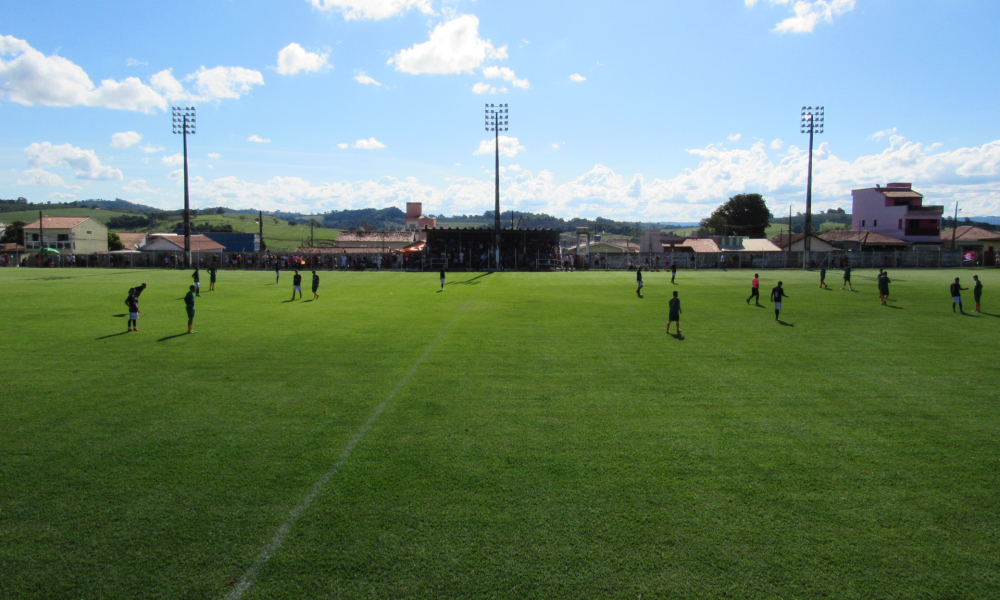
{"x": 639, "y": 110}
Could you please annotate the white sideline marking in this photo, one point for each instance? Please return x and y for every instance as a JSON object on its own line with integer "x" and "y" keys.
{"x": 279, "y": 537}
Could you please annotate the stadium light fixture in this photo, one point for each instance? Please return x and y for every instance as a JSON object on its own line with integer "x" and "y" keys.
{"x": 812, "y": 123}
{"x": 496, "y": 121}
{"x": 184, "y": 124}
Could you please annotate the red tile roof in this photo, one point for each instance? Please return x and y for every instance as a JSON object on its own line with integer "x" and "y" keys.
{"x": 59, "y": 222}
{"x": 863, "y": 237}
{"x": 701, "y": 245}
{"x": 970, "y": 233}
{"x": 132, "y": 240}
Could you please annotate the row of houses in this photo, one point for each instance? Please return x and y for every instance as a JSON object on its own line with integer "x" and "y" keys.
{"x": 85, "y": 235}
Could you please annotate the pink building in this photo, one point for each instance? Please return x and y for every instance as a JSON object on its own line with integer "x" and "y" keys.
{"x": 416, "y": 221}
{"x": 897, "y": 211}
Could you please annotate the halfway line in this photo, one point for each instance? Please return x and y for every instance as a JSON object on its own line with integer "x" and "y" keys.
{"x": 279, "y": 537}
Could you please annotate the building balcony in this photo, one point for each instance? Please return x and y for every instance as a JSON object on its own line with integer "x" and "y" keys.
{"x": 924, "y": 211}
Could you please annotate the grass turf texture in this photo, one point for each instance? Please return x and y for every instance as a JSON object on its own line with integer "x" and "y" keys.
{"x": 554, "y": 443}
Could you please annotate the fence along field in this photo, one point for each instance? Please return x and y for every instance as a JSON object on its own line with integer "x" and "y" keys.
{"x": 553, "y": 442}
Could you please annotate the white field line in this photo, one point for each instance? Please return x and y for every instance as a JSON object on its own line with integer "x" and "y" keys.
{"x": 279, "y": 537}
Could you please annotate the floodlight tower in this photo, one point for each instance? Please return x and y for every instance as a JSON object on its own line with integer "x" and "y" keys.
{"x": 496, "y": 121}
{"x": 184, "y": 123}
{"x": 812, "y": 123}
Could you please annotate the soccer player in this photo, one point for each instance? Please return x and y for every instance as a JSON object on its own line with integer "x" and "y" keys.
{"x": 977, "y": 291}
{"x": 822, "y": 278}
{"x": 277, "y": 271}
{"x": 211, "y": 278}
{"x": 754, "y": 290}
{"x": 442, "y": 279}
{"x": 675, "y": 313}
{"x": 197, "y": 281}
{"x": 297, "y": 285}
{"x": 638, "y": 281}
{"x": 133, "y": 310}
{"x": 189, "y": 305}
{"x": 847, "y": 278}
{"x": 138, "y": 292}
{"x": 883, "y": 287}
{"x": 777, "y": 293}
{"x": 673, "y": 272}
{"x": 315, "y": 287}
{"x": 956, "y": 296}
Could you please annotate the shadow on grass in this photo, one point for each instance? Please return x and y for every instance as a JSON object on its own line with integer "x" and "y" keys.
{"x": 758, "y": 305}
{"x": 121, "y": 315}
{"x": 676, "y": 336}
{"x": 111, "y": 335}
{"x": 170, "y": 337}
{"x": 780, "y": 322}
{"x": 990, "y": 315}
{"x": 310, "y": 300}
{"x": 470, "y": 281}
{"x": 965, "y": 314}
{"x": 896, "y": 307}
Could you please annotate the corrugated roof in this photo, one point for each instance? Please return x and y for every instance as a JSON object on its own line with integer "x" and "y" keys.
{"x": 132, "y": 241}
{"x": 760, "y": 245}
{"x": 701, "y": 245}
{"x": 901, "y": 194}
{"x": 59, "y": 222}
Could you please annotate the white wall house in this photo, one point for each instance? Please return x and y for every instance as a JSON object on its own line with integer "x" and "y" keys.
{"x": 897, "y": 211}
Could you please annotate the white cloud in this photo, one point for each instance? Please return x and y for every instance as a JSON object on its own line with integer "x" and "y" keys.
{"x": 507, "y": 74}
{"x": 577, "y": 77}
{"x": 210, "y": 85}
{"x": 135, "y": 63}
{"x": 258, "y": 140}
{"x": 343, "y": 146}
{"x": 139, "y": 186}
{"x": 364, "y": 79}
{"x": 31, "y": 78}
{"x": 776, "y": 144}
{"x": 41, "y": 177}
{"x": 84, "y": 163}
{"x": 62, "y": 196}
{"x": 125, "y": 139}
{"x": 214, "y": 155}
{"x": 452, "y": 47}
{"x": 372, "y": 9}
{"x": 483, "y": 88}
{"x": 369, "y": 144}
{"x": 150, "y": 149}
{"x": 878, "y": 135}
{"x": 554, "y": 145}
{"x": 293, "y": 58}
{"x": 735, "y": 137}
{"x": 807, "y": 13}
{"x": 509, "y": 146}
{"x": 971, "y": 175}
{"x": 173, "y": 160}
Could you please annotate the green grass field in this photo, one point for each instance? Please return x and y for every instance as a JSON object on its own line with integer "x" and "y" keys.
{"x": 278, "y": 234}
{"x": 515, "y": 436}
{"x": 29, "y": 216}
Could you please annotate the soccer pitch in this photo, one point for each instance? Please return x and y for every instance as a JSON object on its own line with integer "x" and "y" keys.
{"x": 515, "y": 436}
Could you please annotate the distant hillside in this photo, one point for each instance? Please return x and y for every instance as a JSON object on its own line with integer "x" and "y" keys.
{"x": 988, "y": 220}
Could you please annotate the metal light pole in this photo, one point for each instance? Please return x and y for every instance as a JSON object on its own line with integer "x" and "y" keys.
{"x": 496, "y": 121}
{"x": 812, "y": 123}
{"x": 184, "y": 123}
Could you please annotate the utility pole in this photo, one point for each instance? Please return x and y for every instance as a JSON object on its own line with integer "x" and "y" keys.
{"x": 954, "y": 228}
{"x": 496, "y": 121}
{"x": 184, "y": 123}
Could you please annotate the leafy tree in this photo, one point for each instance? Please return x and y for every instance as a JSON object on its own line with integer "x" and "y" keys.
{"x": 744, "y": 214}
{"x": 293, "y": 223}
{"x": 14, "y": 234}
{"x": 220, "y": 211}
{"x": 715, "y": 224}
{"x": 114, "y": 242}
{"x": 128, "y": 222}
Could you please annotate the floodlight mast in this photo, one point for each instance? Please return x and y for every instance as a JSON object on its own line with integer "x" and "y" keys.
{"x": 811, "y": 123}
{"x": 496, "y": 121}
{"x": 184, "y": 124}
